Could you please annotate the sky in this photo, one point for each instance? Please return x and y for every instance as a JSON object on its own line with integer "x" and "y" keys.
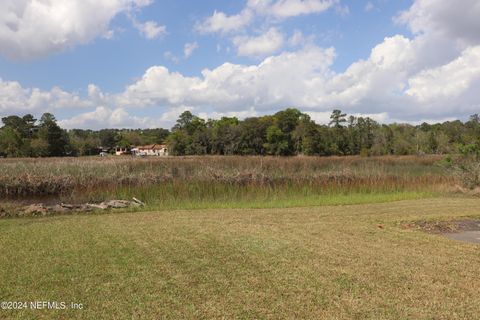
{"x": 140, "y": 63}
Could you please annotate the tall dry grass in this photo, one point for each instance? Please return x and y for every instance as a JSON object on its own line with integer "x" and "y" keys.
{"x": 213, "y": 175}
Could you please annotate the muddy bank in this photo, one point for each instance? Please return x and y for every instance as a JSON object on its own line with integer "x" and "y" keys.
{"x": 46, "y": 209}
{"x": 444, "y": 227}
{"x": 465, "y": 230}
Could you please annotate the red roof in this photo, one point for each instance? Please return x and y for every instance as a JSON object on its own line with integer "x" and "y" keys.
{"x": 152, "y": 147}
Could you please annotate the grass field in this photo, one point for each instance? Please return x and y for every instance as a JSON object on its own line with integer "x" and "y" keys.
{"x": 341, "y": 262}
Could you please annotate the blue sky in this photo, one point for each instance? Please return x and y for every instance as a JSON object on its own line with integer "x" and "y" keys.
{"x": 125, "y": 63}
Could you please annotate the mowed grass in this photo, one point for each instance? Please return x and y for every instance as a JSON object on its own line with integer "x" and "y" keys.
{"x": 330, "y": 262}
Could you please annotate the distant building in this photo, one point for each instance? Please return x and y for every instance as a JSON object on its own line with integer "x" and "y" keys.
{"x": 151, "y": 150}
{"x": 121, "y": 151}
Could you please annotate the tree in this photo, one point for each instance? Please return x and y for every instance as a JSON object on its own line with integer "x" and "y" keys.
{"x": 10, "y": 142}
{"x": 253, "y": 135}
{"x": 339, "y": 144}
{"x": 287, "y": 120}
{"x": 188, "y": 122}
{"x": 108, "y": 138}
{"x": 178, "y": 143}
{"x": 54, "y": 136}
{"x": 337, "y": 119}
{"x": 225, "y": 136}
{"x": 29, "y": 122}
{"x": 277, "y": 142}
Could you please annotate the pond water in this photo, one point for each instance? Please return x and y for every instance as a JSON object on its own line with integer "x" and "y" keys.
{"x": 465, "y": 236}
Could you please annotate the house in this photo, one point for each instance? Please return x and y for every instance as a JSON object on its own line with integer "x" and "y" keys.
{"x": 151, "y": 150}
{"x": 121, "y": 151}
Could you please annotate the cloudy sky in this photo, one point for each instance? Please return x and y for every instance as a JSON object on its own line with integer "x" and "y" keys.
{"x": 140, "y": 63}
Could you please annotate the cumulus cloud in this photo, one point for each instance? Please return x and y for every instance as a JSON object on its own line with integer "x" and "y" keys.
{"x": 150, "y": 29}
{"x": 278, "y": 80}
{"x": 282, "y": 9}
{"x": 189, "y": 48}
{"x": 220, "y": 22}
{"x": 299, "y": 39}
{"x": 272, "y": 12}
{"x": 170, "y": 56}
{"x": 223, "y": 23}
{"x": 104, "y": 117}
{"x": 448, "y": 81}
{"x": 110, "y": 117}
{"x": 251, "y": 112}
{"x": 395, "y": 77}
{"x": 434, "y": 75}
{"x": 262, "y": 45}
{"x": 324, "y": 116}
{"x": 448, "y": 19}
{"x": 14, "y": 97}
{"x": 31, "y": 29}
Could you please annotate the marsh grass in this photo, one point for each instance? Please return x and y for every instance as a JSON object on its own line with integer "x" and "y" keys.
{"x": 221, "y": 182}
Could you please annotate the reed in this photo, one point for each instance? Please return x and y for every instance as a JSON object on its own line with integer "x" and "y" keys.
{"x": 173, "y": 180}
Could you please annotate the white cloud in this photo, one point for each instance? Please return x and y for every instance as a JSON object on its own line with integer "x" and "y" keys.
{"x": 324, "y": 117}
{"x": 299, "y": 39}
{"x": 220, "y": 22}
{"x": 32, "y": 28}
{"x": 434, "y": 75}
{"x": 447, "y": 81}
{"x": 282, "y": 9}
{"x": 104, "y": 117}
{"x": 170, "y": 56}
{"x": 251, "y": 112}
{"x": 277, "y": 81}
{"x": 223, "y": 23}
{"x": 15, "y": 98}
{"x": 150, "y": 29}
{"x": 395, "y": 79}
{"x": 262, "y": 45}
{"x": 189, "y": 48}
{"x": 272, "y": 11}
{"x": 450, "y": 19}
{"x": 108, "y": 117}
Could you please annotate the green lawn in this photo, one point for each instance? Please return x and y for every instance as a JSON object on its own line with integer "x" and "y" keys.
{"x": 329, "y": 262}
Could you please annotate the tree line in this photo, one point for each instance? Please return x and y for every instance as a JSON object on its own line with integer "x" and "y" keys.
{"x": 28, "y": 137}
{"x": 291, "y": 132}
{"x": 286, "y": 133}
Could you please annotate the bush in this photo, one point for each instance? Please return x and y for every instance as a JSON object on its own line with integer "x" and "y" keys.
{"x": 467, "y": 167}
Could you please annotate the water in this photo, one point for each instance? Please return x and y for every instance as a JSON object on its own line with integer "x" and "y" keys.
{"x": 465, "y": 236}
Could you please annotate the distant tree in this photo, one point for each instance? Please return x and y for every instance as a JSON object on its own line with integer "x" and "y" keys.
{"x": 188, "y": 122}
{"x": 253, "y": 135}
{"x": 178, "y": 142}
{"x": 277, "y": 142}
{"x": 337, "y": 119}
{"x": 224, "y": 137}
{"x": 30, "y": 125}
{"x": 39, "y": 148}
{"x": 287, "y": 132}
{"x": 339, "y": 144}
{"x": 288, "y": 119}
{"x": 10, "y": 142}
{"x": 55, "y": 137}
{"x": 108, "y": 138}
